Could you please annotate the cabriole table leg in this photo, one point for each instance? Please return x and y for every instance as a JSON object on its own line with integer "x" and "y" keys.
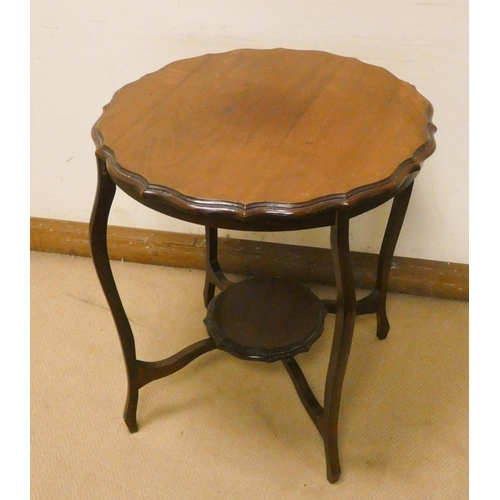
{"x": 341, "y": 345}
{"x": 391, "y": 235}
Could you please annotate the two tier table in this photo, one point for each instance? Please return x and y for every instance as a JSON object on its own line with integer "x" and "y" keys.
{"x": 264, "y": 140}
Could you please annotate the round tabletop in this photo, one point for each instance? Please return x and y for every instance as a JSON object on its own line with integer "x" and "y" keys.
{"x": 264, "y": 139}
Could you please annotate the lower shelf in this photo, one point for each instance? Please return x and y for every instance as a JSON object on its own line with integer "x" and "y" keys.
{"x": 265, "y": 319}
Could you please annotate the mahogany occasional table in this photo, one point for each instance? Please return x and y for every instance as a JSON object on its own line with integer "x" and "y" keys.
{"x": 264, "y": 140}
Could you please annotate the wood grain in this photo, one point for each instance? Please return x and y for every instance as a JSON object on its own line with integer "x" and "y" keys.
{"x": 251, "y": 131}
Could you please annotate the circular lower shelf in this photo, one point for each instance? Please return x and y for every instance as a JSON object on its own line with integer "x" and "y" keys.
{"x": 265, "y": 319}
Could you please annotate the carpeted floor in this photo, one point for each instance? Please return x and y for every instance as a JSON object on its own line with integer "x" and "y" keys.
{"x": 223, "y": 428}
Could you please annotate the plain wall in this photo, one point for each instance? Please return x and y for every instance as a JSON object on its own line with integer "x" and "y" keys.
{"x": 82, "y": 52}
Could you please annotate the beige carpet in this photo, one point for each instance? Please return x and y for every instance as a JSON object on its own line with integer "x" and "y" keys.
{"x": 223, "y": 428}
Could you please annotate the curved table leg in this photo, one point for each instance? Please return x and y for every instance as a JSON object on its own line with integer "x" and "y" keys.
{"x": 214, "y": 277}
{"x": 391, "y": 235}
{"x": 105, "y": 193}
{"x": 344, "y": 327}
{"x": 139, "y": 373}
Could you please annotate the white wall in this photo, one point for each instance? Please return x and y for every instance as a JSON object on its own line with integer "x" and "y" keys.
{"x": 82, "y": 52}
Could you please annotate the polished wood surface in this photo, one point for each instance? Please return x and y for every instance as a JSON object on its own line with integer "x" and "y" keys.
{"x": 264, "y": 140}
{"x": 252, "y": 132}
{"x": 265, "y": 319}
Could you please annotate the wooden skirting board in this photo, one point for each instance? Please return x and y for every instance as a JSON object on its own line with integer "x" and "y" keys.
{"x": 250, "y": 258}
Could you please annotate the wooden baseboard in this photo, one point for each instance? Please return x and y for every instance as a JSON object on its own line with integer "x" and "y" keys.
{"x": 306, "y": 264}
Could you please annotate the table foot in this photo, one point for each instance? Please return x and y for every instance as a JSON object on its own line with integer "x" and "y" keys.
{"x": 383, "y": 325}
{"x": 130, "y": 412}
{"x": 333, "y": 472}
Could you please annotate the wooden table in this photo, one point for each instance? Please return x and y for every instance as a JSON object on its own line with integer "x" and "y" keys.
{"x": 264, "y": 140}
